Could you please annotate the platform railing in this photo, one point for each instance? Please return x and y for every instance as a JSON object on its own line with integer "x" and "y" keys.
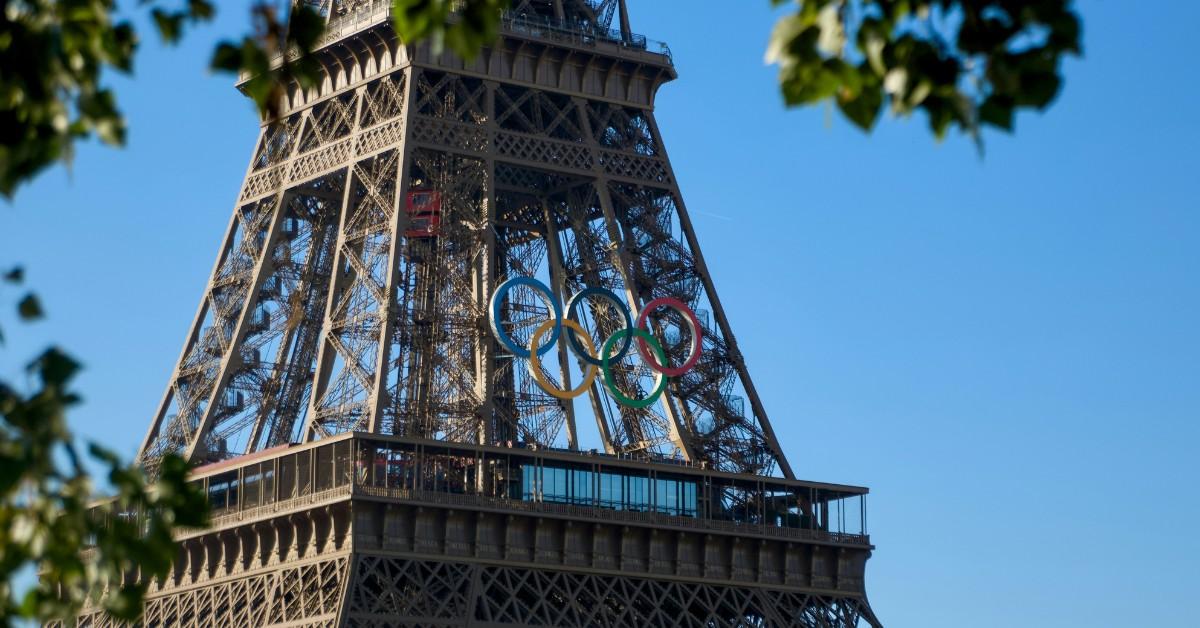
{"x": 226, "y": 519}
{"x": 530, "y": 26}
{"x": 344, "y": 491}
{"x": 377, "y": 12}
{"x": 604, "y": 514}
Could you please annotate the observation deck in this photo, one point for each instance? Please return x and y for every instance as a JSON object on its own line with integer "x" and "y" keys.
{"x": 534, "y": 27}
{"x": 532, "y": 49}
{"x": 530, "y": 479}
{"x": 546, "y": 508}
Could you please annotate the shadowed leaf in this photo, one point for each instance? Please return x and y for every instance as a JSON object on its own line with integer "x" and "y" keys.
{"x": 963, "y": 63}
{"x": 30, "y": 308}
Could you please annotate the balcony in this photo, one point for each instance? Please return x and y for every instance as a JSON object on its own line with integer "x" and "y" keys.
{"x": 555, "y": 483}
{"x": 534, "y": 27}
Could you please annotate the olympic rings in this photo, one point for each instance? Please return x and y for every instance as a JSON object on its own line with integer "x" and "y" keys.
{"x": 498, "y": 301}
{"x": 607, "y": 295}
{"x": 660, "y": 382}
{"x": 535, "y": 363}
{"x": 693, "y": 325}
{"x": 580, "y": 343}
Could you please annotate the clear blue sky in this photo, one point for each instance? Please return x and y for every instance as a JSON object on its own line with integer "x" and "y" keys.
{"x": 1005, "y": 350}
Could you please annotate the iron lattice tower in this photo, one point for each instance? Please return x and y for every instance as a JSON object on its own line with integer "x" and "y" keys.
{"x": 375, "y": 458}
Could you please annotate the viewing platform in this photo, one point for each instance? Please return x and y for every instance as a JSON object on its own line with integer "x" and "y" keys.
{"x": 365, "y": 494}
{"x": 348, "y": 29}
{"x": 527, "y": 26}
{"x": 556, "y": 483}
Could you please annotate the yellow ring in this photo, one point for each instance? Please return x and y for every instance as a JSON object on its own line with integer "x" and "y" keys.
{"x": 535, "y": 363}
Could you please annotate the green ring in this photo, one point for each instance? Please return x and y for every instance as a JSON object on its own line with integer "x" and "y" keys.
{"x": 605, "y": 358}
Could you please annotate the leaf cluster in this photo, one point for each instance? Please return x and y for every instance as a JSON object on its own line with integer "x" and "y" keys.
{"x": 53, "y": 54}
{"x": 276, "y": 54}
{"x": 81, "y": 550}
{"x": 965, "y": 63}
{"x": 463, "y": 25}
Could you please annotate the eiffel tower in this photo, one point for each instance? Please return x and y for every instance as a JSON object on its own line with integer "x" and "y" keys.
{"x": 376, "y": 448}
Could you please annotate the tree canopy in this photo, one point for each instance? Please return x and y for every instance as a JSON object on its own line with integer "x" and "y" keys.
{"x": 965, "y": 63}
{"x": 48, "y": 508}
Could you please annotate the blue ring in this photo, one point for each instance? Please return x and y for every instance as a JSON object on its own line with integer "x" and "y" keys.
{"x": 498, "y": 301}
{"x": 578, "y": 347}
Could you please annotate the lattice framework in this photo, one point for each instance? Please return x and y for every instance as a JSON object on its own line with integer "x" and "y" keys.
{"x": 326, "y": 314}
{"x": 532, "y": 182}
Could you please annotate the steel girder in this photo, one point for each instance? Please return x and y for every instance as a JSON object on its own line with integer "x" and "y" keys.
{"x": 327, "y": 312}
{"x": 322, "y": 316}
{"x": 325, "y": 315}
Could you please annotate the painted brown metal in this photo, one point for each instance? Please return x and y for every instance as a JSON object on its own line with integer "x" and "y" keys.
{"x": 366, "y": 530}
{"x": 325, "y": 316}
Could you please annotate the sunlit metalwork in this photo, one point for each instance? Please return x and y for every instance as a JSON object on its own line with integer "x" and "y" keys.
{"x": 349, "y": 305}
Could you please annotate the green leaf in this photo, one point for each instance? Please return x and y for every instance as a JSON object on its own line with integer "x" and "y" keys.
{"x": 1039, "y": 89}
{"x": 863, "y": 109}
{"x": 29, "y": 308}
{"x": 103, "y": 454}
{"x": 306, "y": 27}
{"x": 170, "y": 25}
{"x": 15, "y": 275}
{"x": 100, "y": 108}
{"x": 966, "y": 64}
{"x": 226, "y": 57}
{"x": 416, "y": 19}
{"x": 476, "y": 25}
{"x": 55, "y": 368}
{"x": 126, "y": 603}
{"x": 997, "y": 113}
{"x": 941, "y": 114}
{"x": 787, "y": 30}
{"x": 120, "y": 45}
{"x": 201, "y": 10}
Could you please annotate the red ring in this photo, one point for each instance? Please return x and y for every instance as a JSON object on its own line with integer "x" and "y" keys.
{"x": 693, "y": 322}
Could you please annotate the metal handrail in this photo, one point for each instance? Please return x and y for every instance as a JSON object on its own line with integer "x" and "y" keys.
{"x": 346, "y": 490}
{"x": 514, "y": 21}
{"x": 579, "y": 34}
{"x": 343, "y": 26}
{"x": 281, "y": 505}
{"x": 542, "y": 27}
{"x": 359, "y": 19}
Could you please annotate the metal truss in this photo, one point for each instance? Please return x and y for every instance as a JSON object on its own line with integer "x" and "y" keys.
{"x": 307, "y": 596}
{"x": 387, "y": 591}
{"x": 395, "y": 591}
{"x": 323, "y": 315}
{"x": 334, "y": 306}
